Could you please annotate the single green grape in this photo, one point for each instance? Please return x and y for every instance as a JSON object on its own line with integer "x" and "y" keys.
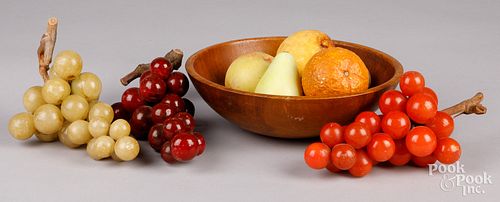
{"x": 22, "y": 126}
{"x": 77, "y": 86}
{"x": 100, "y": 147}
{"x": 54, "y": 91}
{"x": 102, "y": 110}
{"x": 126, "y": 148}
{"x": 63, "y": 136}
{"x": 32, "y": 98}
{"x": 78, "y": 132}
{"x": 119, "y": 128}
{"x": 67, "y": 65}
{"x": 88, "y": 85}
{"x": 98, "y": 127}
{"x": 48, "y": 119}
{"x": 75, "y": 107}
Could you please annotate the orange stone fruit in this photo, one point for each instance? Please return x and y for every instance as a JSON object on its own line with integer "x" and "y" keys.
{"x": 335, "y": 71}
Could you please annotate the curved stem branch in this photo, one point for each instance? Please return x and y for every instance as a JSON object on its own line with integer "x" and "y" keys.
{"x": 46, "y": 48}
{"x": 469, "y": 106}
{"x": 174, "y": 57}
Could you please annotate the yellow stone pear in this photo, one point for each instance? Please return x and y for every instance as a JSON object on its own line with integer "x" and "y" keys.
{"x": 304, "y": 44}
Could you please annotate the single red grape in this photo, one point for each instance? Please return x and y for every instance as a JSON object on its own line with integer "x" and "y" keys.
{"x": 448, "y": 151}
{"x": 184, "y": 146}
{"x": 188, "y": 120}
{"x": 140, "y": 122}
{"x": 363, "y": 164}
{"x": 120, "y": 112}
{"x": 421, "y": 108}
{"x": 161, "y": 67}
{"x": 343, "y": 156}
{"x": 162, "y": 111}
{"x": 401, "y": 155}
{"x": 421, "y": 141}
{"x": 357, "y": 134}
{"x": 392, "y": 100}
{"x": 156, "y": 138}
{"x": 173, "y": 126}
{"x": 152, "y": 88}
{"x": 442, "y": 125}
{"x": 317, "y": 155}
{"x": 411, "y": 82}
{"x": 174, "y": 100}
{"x": 381, "y": 148}
{"x": 332, "y": 134}
{"x": 131, "y": 99}
{"x": 430, "y": 92}
{"x": 396, "y": 124}
{"x": 371, "y": 119}
{"x": 201, "y": 142}
{"x": 166, "y": 152}
{"x": 177, "y": 83}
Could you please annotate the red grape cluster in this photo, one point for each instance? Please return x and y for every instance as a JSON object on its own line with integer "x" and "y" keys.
{"x": 157, "y": 112}
{"x": 410, "y": 128}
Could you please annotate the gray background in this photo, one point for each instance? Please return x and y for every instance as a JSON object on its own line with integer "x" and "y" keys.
{"x": 455, "y": 44}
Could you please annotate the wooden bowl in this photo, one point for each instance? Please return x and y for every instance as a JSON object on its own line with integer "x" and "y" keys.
{"x": 285, "y": 116}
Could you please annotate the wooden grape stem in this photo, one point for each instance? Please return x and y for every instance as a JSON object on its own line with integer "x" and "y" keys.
{"x": 46, "y": 48}
{"x": 174, "y": 57}
{"x": 469, "y": 106}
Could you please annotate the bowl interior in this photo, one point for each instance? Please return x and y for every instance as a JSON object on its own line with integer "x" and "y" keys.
{"x": 219, "y": 58}
{"x": 284, "y": 116}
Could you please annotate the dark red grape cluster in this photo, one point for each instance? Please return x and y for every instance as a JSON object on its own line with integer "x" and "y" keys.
{"x": 157, "y": 112}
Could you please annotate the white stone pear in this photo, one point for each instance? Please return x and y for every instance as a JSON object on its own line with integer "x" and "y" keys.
{"x": 245, "y": 71}
{"x": 281, "y": 77}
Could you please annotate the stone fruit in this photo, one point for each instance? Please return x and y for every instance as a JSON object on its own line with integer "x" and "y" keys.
{"x": 32, "y": 98}
{"x": 87, "y": 85}
{"x": 67, "y": 65}
{"x": 372, "y": 139}
{"x": 22, "y": 126}
{"x": 184, "y": 146}
{"x": 335, "y": 71}
{"x": 48, "y": 119}
{"x": 101, "y": 147}
{"x": 119, "y": 128}
{"x": 102, "y": 110}
{"x": 157, "y": 112}
{"x": 67, "y": 107}
{"x": 177, "y": 83}
{"x": 245, "y": 71}
{"x": 303, "y": 45}
{"x": 74, "y": 108}
{"x": 126, "y": 148}
{"x": 78, "y": 132}
{"x": 55, "y": 90}
{"x": 62, "y": 135}
{"x": 281, "y": 77}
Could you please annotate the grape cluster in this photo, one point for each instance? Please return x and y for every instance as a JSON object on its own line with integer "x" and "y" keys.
{"x": 67, "y": 108}
{"x": 157, "y": 112}
{"x": 409, "y": 129}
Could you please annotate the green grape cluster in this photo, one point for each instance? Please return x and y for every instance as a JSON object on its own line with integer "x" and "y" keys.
{"x": 67, "y": 108}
